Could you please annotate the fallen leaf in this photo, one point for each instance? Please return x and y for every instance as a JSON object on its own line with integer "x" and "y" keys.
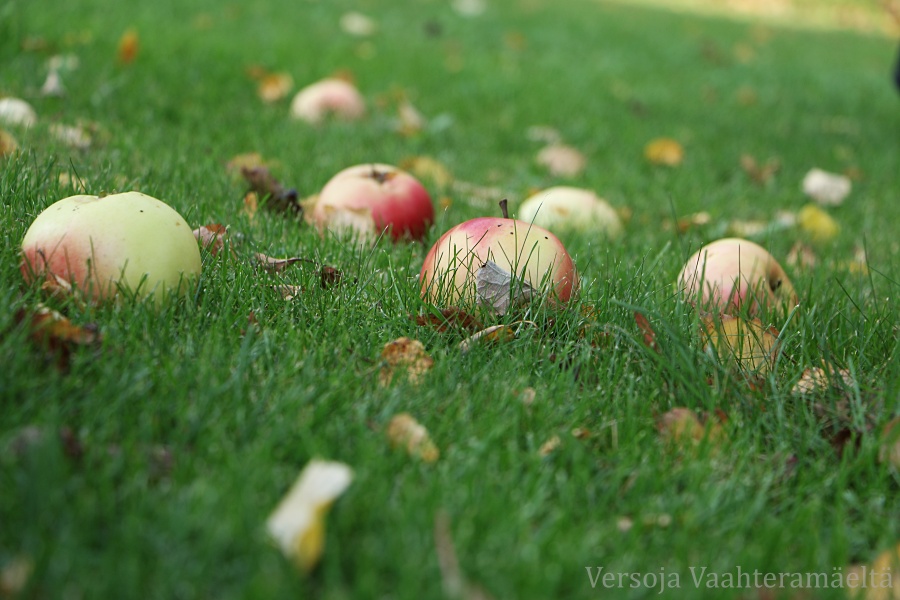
{"x": 407, "y": 355}
{"x": 646, "y": 330}
{"x": 288, "y": 292}
{"x": 55, "y": 333}
{"x": 561, "y": 160}
{"x": 817, "y": 379}
{"x": 275, "y": 195}
{"x": 251, "y": 205}
{"x": 404, "y": 431}
{"x": 497, "y": 289}
{"x": 493, "y": 334}
{"x": 275, "y": 265}
{"x": 526, "y": 395}
{"x": 274, "y": 87}
{"x": 747, "y": 229}
{"x": 817, "y": 224}
{"x": 329, "y": 276}
{"x": 14, "y": 576}
{"x": 298, "y": 522}
{"x": 128, "y": 47}
{"x": 747, "y": 345}
{"x": 76, "y": 183}
{"x": 664, "y": 151}
{"x": 358, "y": 24}
{"x": 551, "y": 445}
{"x": 760, "y": 174}
{"x": 682, "y": 427}
{"x": 211, "y": 237}
{"x": 447, "y": 319}
{"x": 248, "y": 160}
{"x": 426, "y": 167}
{"x": 828, "y": 189}
{"x": 700, "y": 219}
{"x": 802, "y": 256}
{"x": 409, "y": 120}
{"x": 8, "y": 144}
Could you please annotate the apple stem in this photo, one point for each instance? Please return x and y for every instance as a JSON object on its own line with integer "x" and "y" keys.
{"x": 504, "y": 209}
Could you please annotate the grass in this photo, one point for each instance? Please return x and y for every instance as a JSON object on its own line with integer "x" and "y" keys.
{"x": 190, "y": 423}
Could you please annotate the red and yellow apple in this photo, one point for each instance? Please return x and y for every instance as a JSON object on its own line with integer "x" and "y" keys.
{"x": 531, "y": 254}
{"x": 565, "y": 208}
{"x": 99, "y": 245}
{"x": 365, "y": 200}
{"x": 732, "y": 275}
{"x": 328, "y": 97}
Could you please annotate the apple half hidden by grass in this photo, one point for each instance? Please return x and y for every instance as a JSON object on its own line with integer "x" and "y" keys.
{"x": 98, "y": 246}
{"x": 365, "y": 200}
{"x": 496, "y": 262}
{"x": 565, "y": 208}
{"x": 731, "y": 275}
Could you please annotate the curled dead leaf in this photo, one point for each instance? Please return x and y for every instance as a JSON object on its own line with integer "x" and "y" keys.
{"x": 404, "y": 431}
{"x": 298, "y": 522}
{"x": 211, "y": 237}
{"x": 817, "y": 379}
{"x": 128, "y": 47}
{"x": 55, "y": 333}
{"x": 274, "y": 87}
{"x": 664, "y": 151}
{"x": 493, "y": 334}
{"x": 276, "y": 196}
{"x": 275, "y": 265}
{"x": 497, "y": 289}
{"x": 405, "y": 355}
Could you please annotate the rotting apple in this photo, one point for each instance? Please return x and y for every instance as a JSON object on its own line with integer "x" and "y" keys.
{"x": 97, "y": 246}
{"x": 365, "y": 200}
{"x": 565, "y": 208}
{"x": 533, "y": 256}
{"x": 731, "y": 275}
{"x": 328, "y": 97}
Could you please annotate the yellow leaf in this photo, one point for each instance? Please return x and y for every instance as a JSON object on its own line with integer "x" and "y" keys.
{"x": 405, "y": 431}
{"x": 298, "y": 522}
{"x": 128, "y": 47}
{"x": 664, "y": 151}
{"x": 274, "y": 87}
{"x": 817, "y": 224}
{"x": 407, "y": 355}
{"x": 8, "y": 144}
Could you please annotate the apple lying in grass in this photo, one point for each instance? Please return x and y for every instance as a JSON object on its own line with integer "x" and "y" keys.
{"x": 98, "y": 246}
{"x": 472, "y": 262}
{"x": 566, "y": 208}
{"x": 731, "y": 275}
{"x": 365, "y": 200}
{"x": 329, "y": 97}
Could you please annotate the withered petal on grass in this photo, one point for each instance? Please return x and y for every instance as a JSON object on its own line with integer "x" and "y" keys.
{"x": 407, "y": 356}
{"x": 298, "y": 522}
{"x": 404, "y": 431}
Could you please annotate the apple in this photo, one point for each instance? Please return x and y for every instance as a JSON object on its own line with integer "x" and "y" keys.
{"x": 525, "y": 251}
{"x": 566, "y": 208}
{"x": 733, "y": 274}
{"x": 365, "y": 200}
{"x": 14, "y": 111}
{"x": 99, "y": 245}
{"x": 331, "y": 96}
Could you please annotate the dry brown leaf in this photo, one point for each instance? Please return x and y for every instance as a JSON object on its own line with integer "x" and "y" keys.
{"x": 493, "y": 334}
{"x": 404, "y": 355}
{"x": 447, "y": 319}
{"x": 497, "y": 289}
{"x": 548, "y": 447}
{"x": 56, "y": 334}
{"x": 647, "y": 331}
{"x": 8, "y": 143}
{"x": 274, "y": 87}
{"x": 747, "y": 345}
{"x": 561, "y": 160}
{"x": 682, "y": 427}
{"x": 664, "y": 151}
{"x": 276, "y": 196}
{"x": 14, "y": 576}
{"x": 818, "y": 225}
{"x": 211, "y": 237}
{"x": 275, "y": 265}
{"x": 817, "y": 379}
{"x": 298, "y": 522}
{"x": 760, "y": 174}
{"x": 404, "y": 431}
{"x": 248, "y": 160}
{"x": 288, "y": 292}
{"x": 128, "y": 47}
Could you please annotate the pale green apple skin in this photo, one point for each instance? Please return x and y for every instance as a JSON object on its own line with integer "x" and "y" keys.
{"x": 565, "y": 208}
{"x": 731, "y": 275}
{"x": 531, "y": 253}
{"x": 99, "y": 244}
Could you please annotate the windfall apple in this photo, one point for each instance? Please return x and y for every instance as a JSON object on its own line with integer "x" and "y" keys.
{"x": 366, "y": 200}
{"x": 98, "y": 246}
{"x": 565, "y": 208}
{"x": 328, "y": 97}
{"x": 530, "y": 256}
{"x": 732, "y": 275}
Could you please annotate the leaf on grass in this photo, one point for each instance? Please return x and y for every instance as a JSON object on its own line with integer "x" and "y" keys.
{"x": 288, "y": 292}
{"x": 544, "y": 134}
{"x": 561, "y": 160}
{"x": 877, "y": 581}
{"x": 550, "y": 446}
{"x": 817, "y": 224}
{"x": 405, "y": 355}
{"x": 273, "y": 87}
{"x": 128, "y": 47}
{"x": 275, "y": 265}
{"x": 426, "y": 167}
{"x": 357, "y": 24}
{"x": 55, "y": 333}
{"x": 828, "y": 189}
{"x": 298, "y": 522}
{"x": 14, "y": 576}
{"x": 749, "y": 346}
{"x": 818, "y": 379}
{"x": 276, "y": 196}
{"x": 682, "y": 427}
{"x": 409, "y": 120}
{"x": 404, "y": 431}
{"x": 211, "y": 237}
{"x": 248, "y": 160}
{"x": 497, "y": 289}
{"x": 329, "y": 276}
{"x": 493, "y": 334}
{"x": 8, "y": 143}
{"x": 760, "y": 173}
{"x": 646, "y": 330}
{"x": 73, "y": 136}
{"x": 664, "y": 151}
{"x": 527, "y": 396}
{"x": 801, "y": 256}
{"x": 251, "y": 204}
{"x": 447, "y": 319}
{"x": 689, "y": 222}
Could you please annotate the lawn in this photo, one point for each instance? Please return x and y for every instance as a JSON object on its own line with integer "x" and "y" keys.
{"x": 147, "y": 465}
